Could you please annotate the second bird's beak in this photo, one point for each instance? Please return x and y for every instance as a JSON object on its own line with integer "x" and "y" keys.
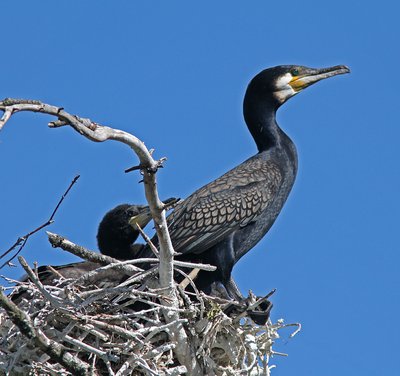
{"x": 141, "y": 219}
{"x": 144, "y": 217}
{"x": 311, "y": 76}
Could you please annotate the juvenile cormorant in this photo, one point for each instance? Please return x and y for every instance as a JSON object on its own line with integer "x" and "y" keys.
{"x": 223, "y": 220}
{"x": 115, "y": 238}
{"x": 116, "y": 235}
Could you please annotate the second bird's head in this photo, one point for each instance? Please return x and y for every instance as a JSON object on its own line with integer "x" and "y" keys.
{"x": 117, "y": 227}
{"x": 276, "y": 85}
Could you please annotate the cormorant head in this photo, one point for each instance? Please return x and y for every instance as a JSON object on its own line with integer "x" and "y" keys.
{"x": 118, "y": 229}
{"x": 115, "y": 233}
{"x": 280, "y": 83}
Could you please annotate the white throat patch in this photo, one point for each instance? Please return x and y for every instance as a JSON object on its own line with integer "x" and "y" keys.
{"x": 283, "y": 91}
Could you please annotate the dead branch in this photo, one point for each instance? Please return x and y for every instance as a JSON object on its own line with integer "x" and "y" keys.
{"x": 148, "y": 168}
{"x": 58, "y": 241}
{"x": 139, "y": 324}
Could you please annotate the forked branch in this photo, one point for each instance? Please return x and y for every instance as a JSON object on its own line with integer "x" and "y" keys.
{"x": 148, "y": 167}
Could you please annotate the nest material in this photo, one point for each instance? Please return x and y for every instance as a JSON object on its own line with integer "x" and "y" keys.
{"x": 119, "y": 328}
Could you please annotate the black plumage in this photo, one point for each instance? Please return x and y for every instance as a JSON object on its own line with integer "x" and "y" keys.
{"x": 223, "y": 220}
{"x": 115, "y": 238}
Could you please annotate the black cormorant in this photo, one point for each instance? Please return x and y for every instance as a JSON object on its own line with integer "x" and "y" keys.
{"x": 223, "y": 220}
{"x": 116, "y": 234}
{"x": 115, "y": 238}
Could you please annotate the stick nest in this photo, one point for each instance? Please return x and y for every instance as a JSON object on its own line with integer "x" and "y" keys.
{"x": 119, "y": 328}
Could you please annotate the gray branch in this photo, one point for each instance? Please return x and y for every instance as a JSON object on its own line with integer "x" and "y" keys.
{"x": 52, "y": 348}
{"x": 148, "y": 166}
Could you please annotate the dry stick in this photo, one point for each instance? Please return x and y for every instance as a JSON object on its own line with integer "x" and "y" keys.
{"x": 92, "y": 330}
{"x": 148, "y": 167}
{"x": 94, "y": 295}
{"x": 297, "y": 330}
{"x": 89, "y": 322}
{"x": 139, "y": 277}
{"x": 152, "y": 354}
{"x": 114, "y": 328}
{"x": 130, "y": 363}
{"x": 100, "y": 293}
{"x": 189, "y": 280}
{"x": 148, "y": 240}
{"x": 23, "y": 239}
{"x": 34, "y": 278}
{"x": 191, "y": 276}
{"x": 185, "y": 264}
{"x": 58, "y": 241}
{"x": 102, "y": 354}
{"x": 55, "y": 272}
{"x": 53, "y": 349}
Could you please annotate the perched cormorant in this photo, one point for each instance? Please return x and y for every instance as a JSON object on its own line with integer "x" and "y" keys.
{"x": 117, "y": 230}
{"x": 223, "y": 220}
{"x": 115, "y": 238}
{"x": 116, "y": 235}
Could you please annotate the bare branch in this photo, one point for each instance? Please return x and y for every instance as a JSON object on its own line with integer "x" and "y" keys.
{"x": 33, "y": 277}
{"x": 21, "y": 241}
{"x": 147, "y": 240}
{"x": 100, "y": 133}
{"x": 74, "y": 180}
{"x": 149, "y": 167}
{"x": 184, "y": 334}
{"x": 58, "y": 241}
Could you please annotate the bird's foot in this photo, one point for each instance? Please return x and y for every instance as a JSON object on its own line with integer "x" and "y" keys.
{"x": 257, "y": 308}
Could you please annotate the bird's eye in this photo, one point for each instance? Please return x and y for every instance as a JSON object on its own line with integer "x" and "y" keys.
{"x": 294, "y": 72}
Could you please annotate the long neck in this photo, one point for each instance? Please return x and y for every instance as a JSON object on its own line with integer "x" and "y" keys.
{"x": 259, "y": 114}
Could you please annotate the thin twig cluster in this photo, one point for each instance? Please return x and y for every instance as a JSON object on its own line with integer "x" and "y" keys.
{"x": 103, "y": 324}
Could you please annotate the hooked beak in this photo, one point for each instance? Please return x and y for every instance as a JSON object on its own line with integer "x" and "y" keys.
{"x": 144, "y": 216}
{"x": 311, "y": 76}
{"x": 141, "y": 219}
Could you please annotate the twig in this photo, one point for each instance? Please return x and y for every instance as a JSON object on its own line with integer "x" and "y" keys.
{"x": 147, "y": 240}
{"x": 115, "y": 328}
{"x": 56, "y": 351}
{"x": 190, "y": 277}
{"x": 90, "y": 349}
{"x": 189, "y": 280}
{"x": 21, "y": 241}
{"x": 58, "y": 241}
{"x": 206, "y": 267}
{"x": 74, "y": 180}
{"x": 139, "y": 277}
{"x": 33, "y": 277}
{"x": 140, "y": 337}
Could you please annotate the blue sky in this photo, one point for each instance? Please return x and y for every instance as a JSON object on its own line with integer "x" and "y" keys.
{"x": 174, "y": 74}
